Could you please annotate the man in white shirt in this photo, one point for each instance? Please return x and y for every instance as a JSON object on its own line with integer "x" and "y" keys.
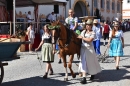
{"x": 50, "y": 18}
{"x": 29, "y": 19}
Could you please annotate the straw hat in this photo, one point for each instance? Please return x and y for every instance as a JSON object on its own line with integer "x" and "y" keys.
{"x": 89, "y": 21}
{"x": 95, "y": 21}
{"x": 116, "y": 24}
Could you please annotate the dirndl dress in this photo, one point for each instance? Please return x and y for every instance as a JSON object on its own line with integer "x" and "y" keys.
{"x": 47, "y": 54}
{"x": 88, "y": 61}
{"x": 47, "y": 48}
{"x": 116, "y": 48}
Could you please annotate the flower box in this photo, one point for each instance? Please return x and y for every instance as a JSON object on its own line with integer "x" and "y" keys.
{"x": 6, "y": 38}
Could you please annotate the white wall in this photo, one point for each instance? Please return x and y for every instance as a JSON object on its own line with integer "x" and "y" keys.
{"x": 126, "y": 5}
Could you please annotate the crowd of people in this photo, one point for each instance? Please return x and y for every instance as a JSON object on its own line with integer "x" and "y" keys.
{"x": 91, "y": 35}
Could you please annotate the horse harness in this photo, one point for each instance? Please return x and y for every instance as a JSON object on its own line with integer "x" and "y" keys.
{"x": 69, "y": 36}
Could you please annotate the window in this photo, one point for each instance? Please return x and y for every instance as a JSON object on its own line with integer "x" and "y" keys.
{"x": 128, "y": 1}
{"x": 118, "y": 6}
{"x": 95, "y": 4}
{"x": 108, "y": 5}
{"x": 102, "y": 3}
{"x": 113, "y": 6}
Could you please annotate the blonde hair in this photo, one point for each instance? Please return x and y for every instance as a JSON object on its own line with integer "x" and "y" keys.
{"x": 71, "y": 10}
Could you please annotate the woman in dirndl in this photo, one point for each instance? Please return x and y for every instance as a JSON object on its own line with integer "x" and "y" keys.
{"x": 88, "y": 62}
{"x": 47, "y": 51}
{"x": 116, "y": 43}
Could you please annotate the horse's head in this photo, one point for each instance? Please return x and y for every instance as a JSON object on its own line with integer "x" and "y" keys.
{"x": 55, "y": 30}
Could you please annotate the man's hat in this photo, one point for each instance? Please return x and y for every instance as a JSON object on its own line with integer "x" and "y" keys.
{"x": 89, "y": 21}
{"x": 95, "y": 21}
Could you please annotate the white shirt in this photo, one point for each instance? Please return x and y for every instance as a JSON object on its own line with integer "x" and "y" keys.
{"x": 28, "y": 18}
{"x": 32, "y": 33}
{"x": 97, "y": 31}
{"x": 51, "y": 17}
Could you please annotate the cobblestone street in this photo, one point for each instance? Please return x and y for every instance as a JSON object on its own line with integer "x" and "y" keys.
{"x": 27, "y": 71}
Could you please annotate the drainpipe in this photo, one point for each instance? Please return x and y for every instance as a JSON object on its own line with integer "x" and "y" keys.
{"x": 121, "y": 9}
{"x": 70, "y": 4}
{"x": 92, "y": 7}
{"x": 13, "y": 17}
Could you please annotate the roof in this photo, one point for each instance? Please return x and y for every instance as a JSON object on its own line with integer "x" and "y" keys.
{"x": 23, "y": 3}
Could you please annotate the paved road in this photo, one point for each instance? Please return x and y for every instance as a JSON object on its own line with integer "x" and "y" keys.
{"x": 27, "y": 71}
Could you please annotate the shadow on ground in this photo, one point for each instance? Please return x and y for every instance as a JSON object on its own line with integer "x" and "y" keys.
{"x": 112, "y": 75}
{"x": 36, "y": 81}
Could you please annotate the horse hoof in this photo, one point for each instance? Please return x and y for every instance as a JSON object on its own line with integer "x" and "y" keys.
{"x": 65, "y": 79}
{"x": 74, "y": 76}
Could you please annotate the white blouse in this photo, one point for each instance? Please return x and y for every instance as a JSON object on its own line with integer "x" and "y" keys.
{"x": 45, "y": 36}
{"x": 32, "y": 33}
{"x": 87, "y": 35}
{"x": 119, "y": 34}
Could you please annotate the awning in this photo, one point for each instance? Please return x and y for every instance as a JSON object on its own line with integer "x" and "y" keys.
{"x": 23, "y": 3}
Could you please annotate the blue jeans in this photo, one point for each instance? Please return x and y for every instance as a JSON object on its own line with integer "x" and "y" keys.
{"x": 57, "y": 47}
{"x": 96, "y": 45}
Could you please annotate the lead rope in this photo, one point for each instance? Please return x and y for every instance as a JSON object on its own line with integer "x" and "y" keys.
{"x": 39, "y": 59}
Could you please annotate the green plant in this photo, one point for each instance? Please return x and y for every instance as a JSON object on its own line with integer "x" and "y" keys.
{"x": 53, "y": 27}
{"x": 19, "y": 31}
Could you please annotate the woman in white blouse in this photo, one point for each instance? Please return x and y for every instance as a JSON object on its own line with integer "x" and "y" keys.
{"x": 31, "y": 36}
{"x": 116, "y": 43}
{"x": 47, "y": 50}
{"x": 88, "y": 62}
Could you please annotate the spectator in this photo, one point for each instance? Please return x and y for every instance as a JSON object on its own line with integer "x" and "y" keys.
{"x": 58, "y": 52}
{"x": 48, "y": 51}
{"x": 29, "y": 19}
{"x": 31, "y": 36}
{"x": 41, "y": 32}
{"x": 97, "y": 29}
{"x": 50, "y": 18}
{"x": 116, "y": 43}
{"x": 105, "y": 32}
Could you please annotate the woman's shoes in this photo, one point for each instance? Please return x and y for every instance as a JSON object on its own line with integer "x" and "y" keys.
{"x": 59, "y": 61}
{"x": 117, "y": 68}
{"x": 83, "y": 81}
{"x": 45, "y": 76}
{"x": 92, "y": 77}
{"x": 51, "y": 72}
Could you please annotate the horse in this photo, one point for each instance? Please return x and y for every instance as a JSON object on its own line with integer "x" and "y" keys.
{"x": 60, "y": 35}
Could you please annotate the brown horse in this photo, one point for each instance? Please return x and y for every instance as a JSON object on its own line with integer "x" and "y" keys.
{"x": 72, "y": 48}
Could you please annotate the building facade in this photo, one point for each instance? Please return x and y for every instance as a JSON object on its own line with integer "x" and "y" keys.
{"x": 126, "y": 9}
{"x": 109, "y": 9}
